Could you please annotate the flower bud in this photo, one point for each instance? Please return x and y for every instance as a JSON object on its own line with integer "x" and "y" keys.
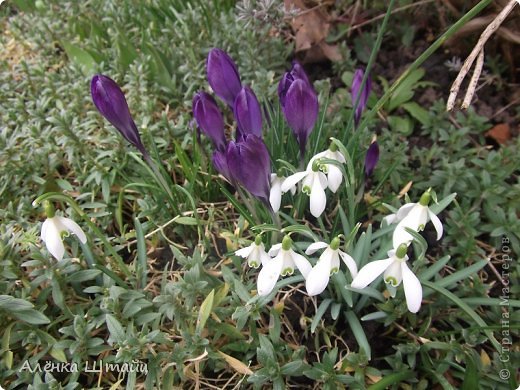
{"x": 371, "y": 158}
{"x": 356, "y": 90}
{"x": 111, "y": 103}
{"x": 209, "y": 119}
{"x": 223, "y": 76}
{"x": 248, "y": 114}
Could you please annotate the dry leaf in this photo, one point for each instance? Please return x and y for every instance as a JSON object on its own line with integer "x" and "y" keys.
{"x": 500, "y": 133}
{"x": 236, "y": 364}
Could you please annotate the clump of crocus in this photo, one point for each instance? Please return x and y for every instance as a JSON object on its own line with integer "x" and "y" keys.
{"x": 223, "y": 76}
{"x": 361, "y": 94}
{"x": 111, "y": 103}
{"x": 209, "y": 119}
{"x": 395, "y": 270}
{"x": 371, "y": 158}
{"x": 53, "y": 230}
{"x": 299, "y": 104}
{"x": 284, "y": 262}
{"x": 247, "y": 113}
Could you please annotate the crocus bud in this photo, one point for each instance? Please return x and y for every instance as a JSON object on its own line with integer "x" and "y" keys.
{"x": 356, "y": 90}
{"x": 371, "y": 158}
{"x": 296, "y": 73}
{"x": 249, "y": 163}
{"x": 209, "y": 119}
{"x": 247, "y": 113}
{"x": 301, "y": 110}
{"x": 223, "y": 76}
{"x": 220, "y": 163}
{"x": 111, "y": 103}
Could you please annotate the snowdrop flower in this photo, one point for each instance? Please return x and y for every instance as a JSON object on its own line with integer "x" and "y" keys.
{"x": 327, "y": 265}
{"x": 395, "y": 270}
{"x": 254, "y": 253}
{"x": 415, "y": 216}
{"x": 334, "y": 175}
{"x": 53, "y": 230}
{"x": 283, "y": 263}
{"x": 314, "y": 184}
{"x": 275, "y": 196}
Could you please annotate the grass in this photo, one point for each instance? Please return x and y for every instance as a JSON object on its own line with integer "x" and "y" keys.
{"x": 157, "y": 286}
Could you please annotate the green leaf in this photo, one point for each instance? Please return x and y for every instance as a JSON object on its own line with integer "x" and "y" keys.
{"x": 31, "y": 316}
{"x": 402, "y": 125}
{"x": 142, "y": 260}
{"x": 417, "y": 112}
{"x": 205, "y": 311}
{"x": 359, "y": 333}
{"x": 319, "y": 313}
{"x": 186, "y": 221}
{"x": 83, "y": 275}
{"x": 391, "y": 379}
{"x": 114, "y": 327}
{"x": 81, "y": 57}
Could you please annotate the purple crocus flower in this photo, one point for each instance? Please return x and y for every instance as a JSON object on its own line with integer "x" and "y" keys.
{"x": 209, "y": 119}
{"x": 371, "y": 158}
{"x": 248, "y": 114}
{"x": 220, "y": 162}
{"x": 301, "y": 110}
{"x": 223, "y": 76}
{"x": 356, "y": 90}
{"x": 111, "y": 103}
{"x": 249, "y": 163}
{"x": 296, "y": 72}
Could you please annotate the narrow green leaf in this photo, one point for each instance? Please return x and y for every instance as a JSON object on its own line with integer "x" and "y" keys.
{"x": 359, "y": 333}
{"x": 319, "y": 313}
{"x": 81, "y": 57}
{"x": 142, "y": 260}
{"x": 391, "y": 379}
{"x": 205, "y": 311}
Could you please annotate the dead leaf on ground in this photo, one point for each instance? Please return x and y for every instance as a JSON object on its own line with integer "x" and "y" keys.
{"x": 311, "y": 27}
{"x": 500, "y": 133}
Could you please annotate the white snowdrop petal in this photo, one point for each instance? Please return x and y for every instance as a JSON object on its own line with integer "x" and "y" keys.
{"x": 436, "y": 223}
{"x": 412, "y": 289}
{"x": 318, "y": 200}
{"x": 245, "y": 252}
{"x": 350, "y": 262}
{"x": 268, "y": 275}
{"x": 275, "y": 249}
{"x": 319, "y": 276}
{"x": 315, "y": 246}
{"x": 370, "y": 272}
{"x": 335, "y": 177}
{"x": 393, "y": 274}
{"x": 301, "y": 263}
{"x": 275, "y": 196}
{"x": 292, "y": 181}
{"x": 53, "y": 242}
{"x": 404, "y": 210}
{"x": 74, "y": 228}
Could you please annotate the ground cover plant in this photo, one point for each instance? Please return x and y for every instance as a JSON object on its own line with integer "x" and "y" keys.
{"x": 256, "y": 195}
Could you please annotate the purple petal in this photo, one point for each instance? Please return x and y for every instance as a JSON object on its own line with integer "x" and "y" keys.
{"x": 301, "y": 110}
{"x": 220, "y": 163}
{"x": 111, "y": 103}
{"x": 248, "y": 113}
{"x": 223, "y": 76}
{"x": 209, "y": 119}
{"x": 371, "y": 158}
{"x": 296, "y": 73}
{"x": 249, "y": 163}
{"x": 356, "y": 90}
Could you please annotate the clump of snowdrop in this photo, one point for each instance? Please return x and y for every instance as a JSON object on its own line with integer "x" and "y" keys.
{"x": 254, "y": 253}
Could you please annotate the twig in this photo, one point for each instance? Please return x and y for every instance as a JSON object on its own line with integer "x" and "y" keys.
{"x": 479, "y": 47}
{"x": 474, "y": 80}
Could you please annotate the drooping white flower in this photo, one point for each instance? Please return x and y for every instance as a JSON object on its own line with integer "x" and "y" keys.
{"x": 395, "y": 270}
{"x": 328, "y": 264}
{"x": 283, "y": 263}
{"x": 334, "y": 175}
{"x": 414, "y": 216}
{"x": 314, "y": 184}
{"x": 51, "y": 234}
{"x": 275, "y": 196}
{"x": 254, "y": 253}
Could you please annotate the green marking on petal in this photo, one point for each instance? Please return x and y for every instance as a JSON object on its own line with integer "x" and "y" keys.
{"x": 334, "y": 270}
{"x": 253, "y": 264}
{"x": 287, "y": 271}
{"x": 306, "y": 190}
{"x": 391, "y": 280}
